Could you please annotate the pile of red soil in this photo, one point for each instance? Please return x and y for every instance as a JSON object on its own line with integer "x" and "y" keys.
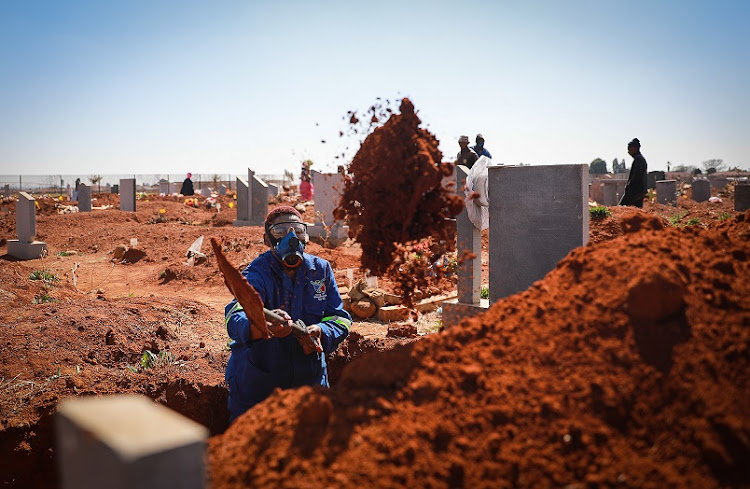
{"x": 394, "y": 197}
{"x": 626, "y": 366}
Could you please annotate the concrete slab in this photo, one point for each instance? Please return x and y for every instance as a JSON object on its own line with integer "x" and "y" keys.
{"x": 741, "y": 197}
{"x": 127, "y": 194}
{"x": 26, "y": 251}
{"x": 666, "y": 191}
{"x": 84, "y": 198}
{"x": 700, "y": 190}
{"x": 242, "y": 203}
{"x": 454, "y": 311}
{"x": 127, "y": 441}
{"x": 538, "y": 214}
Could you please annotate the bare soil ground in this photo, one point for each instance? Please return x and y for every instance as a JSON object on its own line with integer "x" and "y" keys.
{"x": 79, "y": 321}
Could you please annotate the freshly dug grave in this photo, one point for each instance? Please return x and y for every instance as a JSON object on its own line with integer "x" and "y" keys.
{"x": 394, "y": 198}
{"x": 626, "y": 366}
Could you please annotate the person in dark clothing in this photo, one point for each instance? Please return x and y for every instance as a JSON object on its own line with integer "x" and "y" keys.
{"x": 466, "y": 156}
{"x": 187, "y": 186}
{"x": 636, "y": 188}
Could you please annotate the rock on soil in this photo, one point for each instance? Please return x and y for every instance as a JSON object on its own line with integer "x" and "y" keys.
{"x": 627, "y": 366}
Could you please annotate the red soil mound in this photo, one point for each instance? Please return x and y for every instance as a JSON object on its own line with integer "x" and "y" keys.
{"x": 395, "y": 197}
{"x": 626, "y": 366}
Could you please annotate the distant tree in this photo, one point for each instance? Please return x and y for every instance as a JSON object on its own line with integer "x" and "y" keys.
{"x": 598, "y": 167}
{"x": 683, "y": 168}
{"x": 716, "y": 164}
{"x": 710, "y": 171}
{"x": 615, "y": 165}
{"x": 96, "y": 179}
{"x": 697, "y": 171}
{"x": 216, "y": 178}
{"x": 288, "y": 177}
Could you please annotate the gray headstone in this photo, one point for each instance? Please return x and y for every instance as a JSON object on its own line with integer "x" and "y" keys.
{"x": 206, "y": 192}
{"x": 84, "y": 198}
{"x": 328, "y": 190}
{"x": 127, "y": 194}
{"x": 469, "y": 242}
{"x": 700, "y": 190}
{"x": 69, "y": 192}
{"x": 666, "y": 191}
{"x": 115, "y": 189}
{"x": 26, "y": 247}
{"x": 175, "y": 187}
{"x": 273, "y": 190}
{"x": 653, "y": 176}
{"x": 163, "y": 187}
{"x": 538, "y": 214}
{"x": 258, "y": 199}
{"x": 741, "y": 197}
{"x": 252, "y": 201}
{"x": 222, "y": 189}
{"x": 242, "y": 203}
{"x": 127, "y": 441}
{"x": 6, "y": 190}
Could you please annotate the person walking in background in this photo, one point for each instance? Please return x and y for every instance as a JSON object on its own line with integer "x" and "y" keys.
{"x": 479, "y": 148}
{"x": 466, "y": 156}
{"x": 296, "y": 286}
{"x": 637, "y": 187}
{"x": 187, "y": 186}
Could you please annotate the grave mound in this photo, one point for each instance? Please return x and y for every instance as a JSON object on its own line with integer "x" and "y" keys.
{"x": 569, "y": 383}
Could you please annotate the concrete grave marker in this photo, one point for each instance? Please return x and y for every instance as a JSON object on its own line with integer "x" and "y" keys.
{"x": 6, "y": 190}
{"x": 175, "y": 187}
{"x": 115, "y": 189}
{"x": 469, "y": 243}
{"x": 252, "y": 201}
{"x": 653, "y": 176}
{"x": 222, "y": 189}
{"x": 700, "y": 190}
{"x": 127, "y": 194}
{"x": 273, "y": 190}
{"x": 84, "y": 198}
{"x": 666, "y": 191}
{"x": 164, "y": 187}
{"x": 328, "y": 190}
{"x": 127, "y": 441}
{"x": 26, "y": 247}
{"x": 741, "y": 197}
{"x": 538, "y": 214}
{"x": 69, "y": 192}
{"x": 206, "y": 192}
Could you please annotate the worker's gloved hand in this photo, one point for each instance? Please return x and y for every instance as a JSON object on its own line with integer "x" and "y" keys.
{"x": 281, "y": 330}
{"x": 310, "y": 342}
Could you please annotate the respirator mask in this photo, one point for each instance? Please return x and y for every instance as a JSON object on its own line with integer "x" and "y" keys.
{"x": 287, "y": 245}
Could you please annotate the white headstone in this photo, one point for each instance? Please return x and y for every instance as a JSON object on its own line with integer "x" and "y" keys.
{"x": 328, "y": 190}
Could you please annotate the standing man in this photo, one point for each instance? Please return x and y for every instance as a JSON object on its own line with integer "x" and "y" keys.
{"x": 296, "y": 285}
{"x": 636, "y": 188}
{"x": 187, "y": 186}
{"x": 479, "y": 148}
{"x": 466, "y": 156}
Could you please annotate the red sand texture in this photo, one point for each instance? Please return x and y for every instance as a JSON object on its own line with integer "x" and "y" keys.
{"x": 627, "y": 366}
{"x": 394, "y": 196}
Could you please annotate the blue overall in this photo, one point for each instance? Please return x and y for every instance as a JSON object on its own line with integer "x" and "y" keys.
{"x": 257, "y": 367}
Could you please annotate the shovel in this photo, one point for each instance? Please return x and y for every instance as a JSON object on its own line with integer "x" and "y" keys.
{"x": 250, "y": 301}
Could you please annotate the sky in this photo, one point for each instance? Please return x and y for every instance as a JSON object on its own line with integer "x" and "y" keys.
{"x": 171, "y": 86}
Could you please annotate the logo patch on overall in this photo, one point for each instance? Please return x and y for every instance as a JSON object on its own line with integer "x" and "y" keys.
{"x": 320, "y": 288}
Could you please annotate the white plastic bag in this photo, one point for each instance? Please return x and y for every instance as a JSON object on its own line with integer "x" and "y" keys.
{"x": 477, "y": 194}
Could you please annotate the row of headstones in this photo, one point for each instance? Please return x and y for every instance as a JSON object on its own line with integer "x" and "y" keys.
{"x": 252, "y": 205}
{"x": 608, "y": 192}
{"x": 126, "y": 189}
{"x": 538, "y": 214}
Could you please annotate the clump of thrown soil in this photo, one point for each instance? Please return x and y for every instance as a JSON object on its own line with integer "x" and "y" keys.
{"x": 394, "y": 198}
{"x": 626, "y": 366}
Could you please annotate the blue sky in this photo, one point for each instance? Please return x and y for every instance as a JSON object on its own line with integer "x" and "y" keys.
{"x": 149, "y": 86}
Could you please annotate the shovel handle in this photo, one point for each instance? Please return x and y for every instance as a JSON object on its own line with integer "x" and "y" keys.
{"x": 298, "y": 330}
